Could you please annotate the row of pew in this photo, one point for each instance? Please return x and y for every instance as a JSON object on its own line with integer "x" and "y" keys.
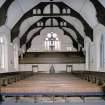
{"x": 9, "y": 78}
{"x": 91, "y": 76}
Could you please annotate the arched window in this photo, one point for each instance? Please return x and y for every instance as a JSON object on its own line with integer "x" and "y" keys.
{"x": 102, "y": 51}
{"x": 52, "y": 42}
{"x": 2, "y": 52}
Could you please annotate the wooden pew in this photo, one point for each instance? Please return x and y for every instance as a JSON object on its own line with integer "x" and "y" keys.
{"x": 91, "y": 76}
{"x": 9, "y": 78}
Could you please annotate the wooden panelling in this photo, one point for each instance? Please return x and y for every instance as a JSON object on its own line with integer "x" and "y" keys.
{"x": 52, "y": 57}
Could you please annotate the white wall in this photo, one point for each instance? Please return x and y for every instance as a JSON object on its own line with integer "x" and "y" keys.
{"x": 46, "y": 67}
{"x": 9, "y": 51}
{"x": 4, "y": 32}
{"x": 93, "y": 49}
{"x": 92, "y": 57}
{"x": 80, "y": 67}
{"x": 98, "y": 31}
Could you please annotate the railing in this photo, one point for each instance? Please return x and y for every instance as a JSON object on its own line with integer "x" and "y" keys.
{"x": 52, "y": 57}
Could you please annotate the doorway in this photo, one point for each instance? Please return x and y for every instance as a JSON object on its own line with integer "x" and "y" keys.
{"x": 69, "y": 68}
{"x": 35, "y": 68}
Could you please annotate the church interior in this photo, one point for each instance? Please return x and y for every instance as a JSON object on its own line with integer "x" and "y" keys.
{"x": 52, "y": 51}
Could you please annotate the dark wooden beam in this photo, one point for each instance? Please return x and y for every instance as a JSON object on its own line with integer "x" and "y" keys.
{"x": 15, "y": 31}
{"x": 79, "y": 36}
{"x": 75, "y": 43}
{"x": 43, "y": 20}
{"x": 28, "y": 43}
{"x": 100, "y": 11}
{"x": 3, "y": 11}
{"x": 24, "y": 37}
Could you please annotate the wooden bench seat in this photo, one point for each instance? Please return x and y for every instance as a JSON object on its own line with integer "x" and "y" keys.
{"x": 94, "y": 77}
{"x": 9, "y": 78}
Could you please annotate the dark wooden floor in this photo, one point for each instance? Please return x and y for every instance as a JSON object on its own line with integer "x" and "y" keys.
{"x": 51, "y": 83}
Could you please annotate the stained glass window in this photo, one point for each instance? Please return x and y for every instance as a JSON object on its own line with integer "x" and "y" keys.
{"x": 52, "y": 42}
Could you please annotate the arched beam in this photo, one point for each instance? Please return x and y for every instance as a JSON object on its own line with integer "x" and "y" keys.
{"x": 100, "y": 11}
{"x": 75, "y": 44}
{"x": 3, "y": 11}
{"x": 79, "y": 37}
{"x": 24, "y": 37}
{"x": 28, "y": 44}
{"x": 59, "y": 19}
{"x": 87, "y": 29}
